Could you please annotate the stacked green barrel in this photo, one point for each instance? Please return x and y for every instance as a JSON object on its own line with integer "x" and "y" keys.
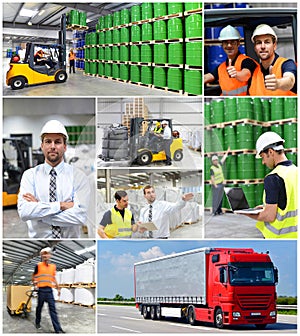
{"x": 81, "y": 134}
{"x": 76, "y": 18}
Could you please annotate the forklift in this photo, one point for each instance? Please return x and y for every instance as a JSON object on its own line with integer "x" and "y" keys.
{"x": 16, "y": 159}
{"x": 30, "y": 73}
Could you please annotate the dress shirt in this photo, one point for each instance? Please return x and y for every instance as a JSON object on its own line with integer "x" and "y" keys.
{"x": 160, "y": 213}
{"x": 167, "y": 135}
{"x": 72, "y": 186}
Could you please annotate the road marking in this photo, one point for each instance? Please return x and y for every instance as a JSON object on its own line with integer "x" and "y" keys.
{"x": 190, "y": 326}
{"x": 99, "y": 314}
{"x": 130, "y": 330}
{"x": 130, "y": 318}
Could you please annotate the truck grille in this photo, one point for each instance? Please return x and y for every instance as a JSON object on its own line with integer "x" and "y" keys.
{"x": 256, "y": 301}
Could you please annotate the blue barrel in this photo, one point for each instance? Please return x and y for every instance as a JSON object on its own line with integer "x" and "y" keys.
{"x": 216, "y": 56}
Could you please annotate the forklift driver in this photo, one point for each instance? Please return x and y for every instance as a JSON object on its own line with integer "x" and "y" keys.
{"x": 41, "y": 59}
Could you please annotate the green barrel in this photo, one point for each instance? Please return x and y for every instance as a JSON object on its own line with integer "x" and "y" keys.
{"x": 93, "y": 38}
{"x": 86, "y": 67}
{"x": 101, "y": 53}
{"x": 108, "y": 37}
{"x": 290, "y": 135}
{"x": 108, "y": 54}
{"x": 82, "y": 18}
{"x": 147, "y": 32}
{"x": 135, "y": 13}
{"x": 207, "y": 141}
{"x": 259, "y": 191}
{"x": 231, "y": 168}
{"x": 175, "y": 53}
{"x": 135, "y": 53}
{"x": 244, "y": 108}
{"x": 207, "y": 196}
{"x": 146, "y": 74}
{"x": 174, "y": 81}
{"x": 160, "y": 9}
{"x": 136, "y": 33}
{"x": 175, "y": 7}
{"x": 244, "y": 136}
{"x": 108, "y": 21}
{"x": 116, "y": 19}
{"x": 124, "y": 71}
{"x": 207, "y": 165}
{"x": 116, "y": 36}
{"x": 230, "y": 137}
{"x": 101, "y": 37}
{"x": 292, "y": 157}
{"x": 193, "y": 51}
{"x": 259, "y": 169}
{"x": 135, "y": 73}
{"x": 160, "y": 30}
{"x": 93, "y": 53}
{"x": 246, "y": 165}
{"x": 74, "y": 17}
{"x": 93, "y": 68}
{"x": 217, "y": 139}
{"x": 257, "y": 109}
{"x": 125, "y": 16}
{"x": 101, "y": 69}
{"x": 230, "y": 109}
{"x": 207, "y": 113}
{"x": 266, "y": 109}
{"x": 101, "y": 21}
{"x": 125, "y": 36}
{"x": 87, "y": 53}
{"x": 193, "y": 82}
{"x": 87, "y": 39}
{"x": 277, "y": 108}
{"x": 116, "y": 53}
{"x": 217, "y": 111}
{"x": 124, "y": 53}
{"x": 277, "y": 129}
{"x": 107, "y": 69}
{"x": 175, "y": 28}
{"x": 160, "y": 53}
{"x": 193, "y": 26}
{"x": 115, "y": 71}
{"x": 257, "y": 132}
{"x": 249, "y": 190}
{"x": 192, "y": 5}
{"x": 146, "y": 53}
{"x": 160, "y": 77}
{"x": 147, "y": 10}
{"x": 290, "y": 108}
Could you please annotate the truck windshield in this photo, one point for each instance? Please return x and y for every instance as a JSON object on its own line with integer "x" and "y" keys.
{"x": 255, "y": 274}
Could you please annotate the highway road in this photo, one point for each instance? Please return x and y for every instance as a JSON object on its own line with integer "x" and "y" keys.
{"x": 123, "y": 319}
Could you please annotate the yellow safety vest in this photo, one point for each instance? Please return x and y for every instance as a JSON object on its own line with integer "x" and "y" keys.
{"x": 218, "y": 173}
{"x": 157, "y": 129}
{"x": 285, "y": 224}
{"x": 124, "y": 226}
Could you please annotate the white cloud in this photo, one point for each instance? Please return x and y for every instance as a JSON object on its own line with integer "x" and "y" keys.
{"x": 153, "y": 252}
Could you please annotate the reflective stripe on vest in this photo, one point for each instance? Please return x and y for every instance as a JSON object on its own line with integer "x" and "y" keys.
{"x": 257, "y": 87}
{"x": 71, "y": 57}
{"x": 285, "y": 224}
{"x": 124, "y": 226}
{"x": 218, "y": 173}
{"x": 45, "y": 276}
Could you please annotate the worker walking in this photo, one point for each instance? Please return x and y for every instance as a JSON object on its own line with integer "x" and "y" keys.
{"x": 279, "y": 218}
{"x": 234, "y": 74}
{"x": 276, "y": 76}
{"x": 167, "y": 141}
{"x": 217, "y": 182}
{"x": 44, "y": 279}
{"x": 54, "y": 196}
{"x": 72, "y": 58}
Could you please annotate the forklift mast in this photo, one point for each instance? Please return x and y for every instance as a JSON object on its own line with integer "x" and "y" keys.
{"x": 62, "y": 42}
{"x": 134, "y": 136}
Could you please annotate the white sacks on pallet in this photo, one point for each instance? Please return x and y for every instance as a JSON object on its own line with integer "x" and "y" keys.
{"x": 190, "y": 213}
{"x": 58, "y": 277}
{"x": 84, "y": 296}
{"x": 84, "y": 273}
{"x": 55, "y": 294}
{"x": 67, "y": 294}
{"x": 67, "y": 276}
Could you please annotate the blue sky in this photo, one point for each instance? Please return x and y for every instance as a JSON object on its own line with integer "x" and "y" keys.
{"x": 116, "y": 259}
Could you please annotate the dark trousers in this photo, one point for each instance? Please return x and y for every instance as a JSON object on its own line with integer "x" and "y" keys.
{"x": 217, "y": 196}
{"x": 72, "y": 66}
{"x": 45, "y": 294}
{"x": 167, "y": 144}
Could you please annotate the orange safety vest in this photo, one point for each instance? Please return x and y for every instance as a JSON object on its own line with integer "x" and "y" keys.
{"x": 45, "y": 277}
{"x": 232, "y": 86}
{"x": 71, "y": 56}
{"x": 257, "y": 87}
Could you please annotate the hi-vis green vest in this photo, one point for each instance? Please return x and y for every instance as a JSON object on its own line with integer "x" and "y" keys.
{"x": 124, "y": 226}
{"x": 285, "y": 224}
{"x": 218, "y": 173}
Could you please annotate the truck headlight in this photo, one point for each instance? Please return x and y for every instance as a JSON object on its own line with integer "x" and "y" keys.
{"x": 236, "y": 314}
{"x": 273, "y": 313}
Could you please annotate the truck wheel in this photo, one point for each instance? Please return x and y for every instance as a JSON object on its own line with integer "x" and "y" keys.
{"x": 145, "y": 312}
{"x": 153, "y": 313}
{"x": 158, "y": 312}
{"x": 178, "y": 155}
{"x": 260, "y": 326}
{"x": 219, "y": 323}
{"x": 61, "y": 76}
{"x": 192, "y": 316}
{"x": 17, "y": 83}
{"x": 144, "y": 158}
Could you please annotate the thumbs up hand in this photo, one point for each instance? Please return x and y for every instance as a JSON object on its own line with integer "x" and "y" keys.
{"x": 270, "y": 80}
{"x": 231, "y": 69}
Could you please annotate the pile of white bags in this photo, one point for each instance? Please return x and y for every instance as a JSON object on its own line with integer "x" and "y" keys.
{"x": 84, "y": 296}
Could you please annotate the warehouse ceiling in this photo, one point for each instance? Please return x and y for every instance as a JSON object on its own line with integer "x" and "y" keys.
{"x": 42, "y": 24}
{"x": 21, "y": 256}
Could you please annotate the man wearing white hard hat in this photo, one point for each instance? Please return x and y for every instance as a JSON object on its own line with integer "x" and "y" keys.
{"x": 276, "y": 76}
{"x": 44, "y": 279}
{"x": 54, "y": 196}
{"x": 233, "y": 74}
{"x": 217, "y": 181}
{"x": 279, "y": 218}
{"x": 167, "y": 141}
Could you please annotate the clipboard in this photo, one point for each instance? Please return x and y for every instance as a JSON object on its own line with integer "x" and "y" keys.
{"x": 150, "y": 226}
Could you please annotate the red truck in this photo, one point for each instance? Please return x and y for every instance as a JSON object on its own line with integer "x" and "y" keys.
{"x": 224, "y": 286}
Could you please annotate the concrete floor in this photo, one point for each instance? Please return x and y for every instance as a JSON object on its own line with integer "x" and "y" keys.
{"x": 189, "y": 231}
{"x": 74, "y": 319}
{"x": 228, "y": 226}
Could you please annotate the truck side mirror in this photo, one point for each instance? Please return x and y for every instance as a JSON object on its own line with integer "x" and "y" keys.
{"x": 223, "y": 275}
{"x": 276, "y": 277}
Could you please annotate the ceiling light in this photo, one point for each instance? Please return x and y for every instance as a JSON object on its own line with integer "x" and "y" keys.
{"x": 22, "y": 277}
{"x": 88, "y": 249}
{"x": 29, "y": 23}
{"x": 41, "y": 12}
{"x": 28, "y": 12}
{"x": 7, "y": 262}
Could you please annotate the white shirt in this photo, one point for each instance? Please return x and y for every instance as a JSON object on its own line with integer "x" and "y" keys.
{"x": 71, "y": 185}
{"x": 160, "y": 213}
{"x": 167, "y": 135}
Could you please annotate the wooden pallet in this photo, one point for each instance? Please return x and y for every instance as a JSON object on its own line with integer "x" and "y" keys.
{"x": 166, "y": 89}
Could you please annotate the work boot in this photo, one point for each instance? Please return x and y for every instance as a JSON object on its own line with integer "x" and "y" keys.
{"x": 38, "y": 326}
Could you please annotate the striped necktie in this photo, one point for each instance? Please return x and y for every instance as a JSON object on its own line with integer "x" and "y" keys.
{"x": 150, "y": 219}
{"x": 56, "y": 230}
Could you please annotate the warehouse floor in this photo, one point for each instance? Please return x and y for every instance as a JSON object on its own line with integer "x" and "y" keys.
{"x": 73, "y": 319}
{"x": 79, "y": 84}
{"x": 229, "y": 225}
{"x": 190, "y": 231}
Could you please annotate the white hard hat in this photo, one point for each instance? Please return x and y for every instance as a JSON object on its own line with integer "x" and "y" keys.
{"x": 46, "y": 250}
{"x": 263, "y": 29}
{"x": 54, "y": 126}
{"x": 164, "y": 122}
{"x": 214, "y": 157}
{"x": 229, "y": 33}
{"x": 268, "y": 140}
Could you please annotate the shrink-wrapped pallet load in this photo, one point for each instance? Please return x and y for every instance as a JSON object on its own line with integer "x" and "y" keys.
{"x": 68, "y": 276}
{"x": 67, "y": 294}
{"x": 84, "y": 273}
{"x": 84, "y": 296}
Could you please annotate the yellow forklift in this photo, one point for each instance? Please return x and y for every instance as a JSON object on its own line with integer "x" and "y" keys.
{"x": 28, "y": 72}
